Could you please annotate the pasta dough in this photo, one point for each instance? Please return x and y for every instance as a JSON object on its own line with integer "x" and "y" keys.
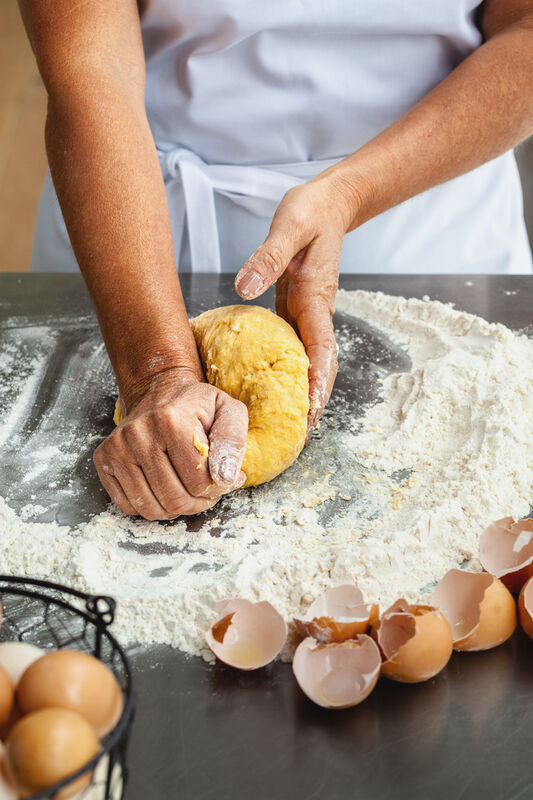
{"x": 256, "y": 357}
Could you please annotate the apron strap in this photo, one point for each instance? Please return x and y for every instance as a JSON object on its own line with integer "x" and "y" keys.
{"x": 258, "y": 189}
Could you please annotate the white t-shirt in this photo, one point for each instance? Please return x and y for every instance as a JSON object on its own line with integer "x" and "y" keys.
{"x": 246, "y": 99}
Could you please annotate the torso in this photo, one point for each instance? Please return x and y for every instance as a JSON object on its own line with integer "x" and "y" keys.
{"x": 294, "y": 80}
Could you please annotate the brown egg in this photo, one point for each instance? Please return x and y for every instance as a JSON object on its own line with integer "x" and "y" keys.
{"x": 416, "y": 642}
{"x": 7, "y": 697}
{"x": 246, "y": 635}
{"x": 339, "y": 614}
{"x": 46, "y": 747}
{"x": 525, "y": 607}
{"x": 480, "y": 609}
{"x": 73, "y": 680}
{"x": 7, "y": 789}
{"x": 506, "y": 551}
{"x": 337, "y": 675}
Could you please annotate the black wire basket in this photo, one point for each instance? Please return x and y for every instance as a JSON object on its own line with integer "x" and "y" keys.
{"x": 37, "y": 612}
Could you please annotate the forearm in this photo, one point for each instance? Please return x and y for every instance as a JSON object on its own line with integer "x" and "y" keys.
{"x": 483, "y": 108}
{"x": 105, "y": 170}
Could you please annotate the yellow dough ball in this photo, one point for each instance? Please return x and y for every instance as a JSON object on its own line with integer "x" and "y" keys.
{"x": 256, "y": 357}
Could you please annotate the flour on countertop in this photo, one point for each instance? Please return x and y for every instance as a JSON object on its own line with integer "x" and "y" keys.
{"x": 390, "y": 499}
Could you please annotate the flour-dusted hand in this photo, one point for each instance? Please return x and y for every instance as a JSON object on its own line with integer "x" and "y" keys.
{"x": 301, "y": 254}
{"x": 178, "y": 449}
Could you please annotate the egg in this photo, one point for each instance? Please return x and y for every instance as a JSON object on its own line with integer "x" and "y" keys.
{"x": 16, "y": 657}
{"x": 480, "y": 609}
{"x": 337, "y": 675}
{"x": 7, "y": 697}
{"x": 506, "y": 551}
{"x": 76, "y": 681}
{"x": 7, "y": 790}
{"x": 416, "y": 642}
{"x": 47, "y": 746}
{"x": 339, "y": 614}
{"x": 246, "y": 635}
{"x": 525, "y": 607}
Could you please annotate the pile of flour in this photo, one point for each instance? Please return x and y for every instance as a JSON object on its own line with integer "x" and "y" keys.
{"x": 390, "y": 499}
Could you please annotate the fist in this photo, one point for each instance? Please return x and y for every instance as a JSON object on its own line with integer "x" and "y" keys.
{"x": 178, "y": 449}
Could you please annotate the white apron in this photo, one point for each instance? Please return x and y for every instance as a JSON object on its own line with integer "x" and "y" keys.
{"x": 248, "y": 99}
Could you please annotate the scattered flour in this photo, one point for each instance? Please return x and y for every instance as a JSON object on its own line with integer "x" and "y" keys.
{"x": 390, "y": 500}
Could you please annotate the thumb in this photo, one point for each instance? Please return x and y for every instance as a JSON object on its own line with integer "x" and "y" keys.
{"x": 227, "y": 440}
{"x": 269, "y": 261}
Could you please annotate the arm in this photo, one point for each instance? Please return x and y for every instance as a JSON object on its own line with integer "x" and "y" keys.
{"x": 105, "y": 169}
{"x": 483, "y": 108}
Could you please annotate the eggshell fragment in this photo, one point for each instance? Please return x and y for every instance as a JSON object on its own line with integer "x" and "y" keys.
{"x": 16, "y": 657}
{"x": 246, "y": 635}
{"x": 480, "y": 609}
{"x": 7, "y": 790}
{"x": 339, "y": 614}
{"x": 46, "y": 747}
{"x": 525, "y": 607}
{"x": 416, "y": 642}
{"x": 73, "y": 680}
{"x": 506, "y": 551}
{"x": 337, "y": 675}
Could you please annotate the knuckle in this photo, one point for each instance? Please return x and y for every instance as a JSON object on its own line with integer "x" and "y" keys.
{"x": 151, "y": 516}
{"x": 102, "y": 463}
{"x": 198, "y": 486}
{"x": 273, "y": 258}
{"x": 147, "y": 510}
{"x": 133, "y": 435}
{"x": 98, "y": 458}
{"x": 169, "y": 421}
{"x": 297, "y": 219}
{"x": 181, "y": 506}
{"x": 173, "y": 502}
{"x": 167, "y": 415}
{"x": 238, "y": 409}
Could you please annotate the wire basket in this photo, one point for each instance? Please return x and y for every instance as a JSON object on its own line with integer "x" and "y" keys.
{"x": 38, "y": 612}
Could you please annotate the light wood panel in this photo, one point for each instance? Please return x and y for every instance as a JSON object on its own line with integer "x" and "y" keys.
{"x": 22, "y": 154}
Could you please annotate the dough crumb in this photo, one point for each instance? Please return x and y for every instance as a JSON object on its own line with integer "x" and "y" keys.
{"x": 202, "y": 448}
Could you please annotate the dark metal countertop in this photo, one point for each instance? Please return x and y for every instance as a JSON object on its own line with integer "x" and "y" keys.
{"x": 204, "y": 732}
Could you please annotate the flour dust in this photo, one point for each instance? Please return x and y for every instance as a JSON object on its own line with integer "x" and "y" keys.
{"x": 428, "y": 438}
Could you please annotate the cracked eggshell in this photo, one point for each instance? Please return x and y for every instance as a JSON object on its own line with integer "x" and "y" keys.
{"x": 246, "y": 635}
{"x": 339, "y": 614}
{"x": 506, "y": 551}
{"x": 416, "y": 642}
{"x": 480, "y": 609}
{"x": 525, "y": 607}
{"x": 337, "y": 675}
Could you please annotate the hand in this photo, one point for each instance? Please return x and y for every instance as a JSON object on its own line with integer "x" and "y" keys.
{"x": 179, "y": 448}
{"x": 301, "y": 254}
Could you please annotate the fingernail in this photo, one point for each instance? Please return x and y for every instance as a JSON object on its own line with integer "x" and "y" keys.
{"x": 228, "y": 469}
{"x": 250, "y": 283}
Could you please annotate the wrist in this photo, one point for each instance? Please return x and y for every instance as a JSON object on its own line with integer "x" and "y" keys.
{"x": 161, "y": 370}
{"x": 350, "y": 191}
